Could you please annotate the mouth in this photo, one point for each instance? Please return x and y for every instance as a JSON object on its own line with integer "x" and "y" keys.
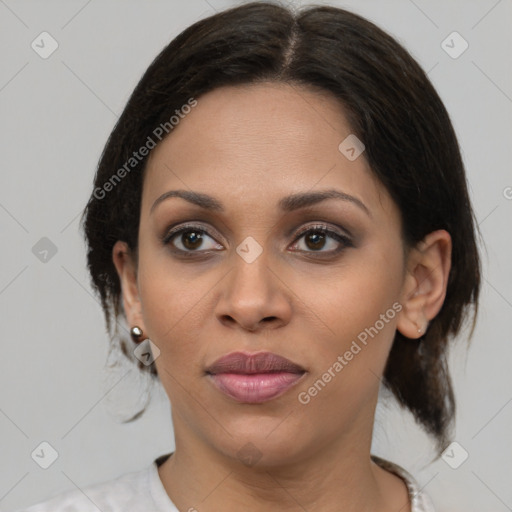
{"x": 254, "y": 378}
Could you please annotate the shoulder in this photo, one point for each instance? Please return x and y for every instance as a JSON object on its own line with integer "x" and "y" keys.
{"x": 420, "y": 502}
{"x": 123, "y": 493}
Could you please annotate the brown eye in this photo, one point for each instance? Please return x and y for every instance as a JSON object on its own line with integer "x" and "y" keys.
{"x": 190, "y": 239}
{"x": 316, "y": 238}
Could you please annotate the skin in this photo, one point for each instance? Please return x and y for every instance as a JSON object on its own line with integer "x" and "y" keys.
{"x": 249, "y": 146}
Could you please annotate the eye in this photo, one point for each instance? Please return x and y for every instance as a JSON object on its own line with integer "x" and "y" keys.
{"x": 192, "y": 238}
{"x": 317, "y": 238}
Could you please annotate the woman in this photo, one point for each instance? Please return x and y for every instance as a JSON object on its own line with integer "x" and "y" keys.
{"x": 281, "y": 218}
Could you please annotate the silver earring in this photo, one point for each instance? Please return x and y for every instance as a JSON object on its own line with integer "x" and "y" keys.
{"x": 136, "y": 334}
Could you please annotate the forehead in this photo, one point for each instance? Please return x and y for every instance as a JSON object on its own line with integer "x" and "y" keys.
{"x": 252, "y": 145}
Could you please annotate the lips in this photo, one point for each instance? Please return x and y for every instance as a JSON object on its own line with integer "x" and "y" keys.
{"x": 254, "y": 378}
{"x": 249, "y": 364}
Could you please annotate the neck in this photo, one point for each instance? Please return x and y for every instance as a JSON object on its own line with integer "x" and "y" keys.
{"x": 334, "y": 478}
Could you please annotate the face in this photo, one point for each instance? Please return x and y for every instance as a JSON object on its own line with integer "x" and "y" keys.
{"x": 320, "y": 283}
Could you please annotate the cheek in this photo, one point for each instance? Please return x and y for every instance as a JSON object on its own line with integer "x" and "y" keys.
{"x": 358, "y": 306}
{"x": 168, "y": 296}
{"x": 354, "y": 294}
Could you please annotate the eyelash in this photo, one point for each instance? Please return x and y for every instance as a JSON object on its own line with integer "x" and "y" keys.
{"x": 319, "y": 228}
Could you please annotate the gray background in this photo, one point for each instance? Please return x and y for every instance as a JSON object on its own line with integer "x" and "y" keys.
{"x": 56, "y": 115}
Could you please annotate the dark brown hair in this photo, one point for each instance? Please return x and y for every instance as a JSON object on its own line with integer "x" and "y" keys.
{"x": 391, "y": 106}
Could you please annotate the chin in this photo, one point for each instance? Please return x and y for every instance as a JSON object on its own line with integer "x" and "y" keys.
{"x": 264, "y": 442}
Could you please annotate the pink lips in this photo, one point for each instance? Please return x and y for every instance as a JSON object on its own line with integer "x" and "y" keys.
{"x": 254, "y": 378}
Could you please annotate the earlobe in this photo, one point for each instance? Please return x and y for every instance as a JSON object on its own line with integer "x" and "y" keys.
{"x": 425, "y": 283}
{"x": 126, "y": 270}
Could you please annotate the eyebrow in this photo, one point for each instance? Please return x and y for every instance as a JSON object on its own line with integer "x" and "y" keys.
{"x": 286, "y": 204}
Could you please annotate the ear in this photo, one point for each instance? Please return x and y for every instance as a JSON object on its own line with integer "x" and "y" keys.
{"x": 425, "y": 283}
{"x": 127, "y": 272}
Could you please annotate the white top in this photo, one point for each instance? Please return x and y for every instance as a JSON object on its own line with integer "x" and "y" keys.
{"x": 143, "y": 491}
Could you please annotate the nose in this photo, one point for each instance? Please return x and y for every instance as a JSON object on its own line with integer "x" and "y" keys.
{"x": 254, "y": 297}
